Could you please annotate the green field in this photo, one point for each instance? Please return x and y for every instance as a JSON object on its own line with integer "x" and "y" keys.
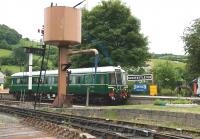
{"x": 154, "y": 62}
{"x": 5, "y": 53}
{"x": 13, "y": 69}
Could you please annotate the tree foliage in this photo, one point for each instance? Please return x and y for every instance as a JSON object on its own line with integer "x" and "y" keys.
{"x": 115, "y": 33}
{"x": 191, "y": 39}
{"x": 19, "y": 56}
{"x": 165, "y": 75}
{"x": 8, "y": 36}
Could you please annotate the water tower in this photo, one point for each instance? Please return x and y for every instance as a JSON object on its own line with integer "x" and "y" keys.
{"x": 62, "y": 28}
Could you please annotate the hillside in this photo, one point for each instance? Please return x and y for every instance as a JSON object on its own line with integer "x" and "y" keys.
{"x": 171, "y": 57}
{"x": 5, "y": 53}
{"x": 153, "y": 62}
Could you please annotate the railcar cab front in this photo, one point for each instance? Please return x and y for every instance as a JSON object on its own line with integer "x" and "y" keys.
{"x": 118, "y": 85}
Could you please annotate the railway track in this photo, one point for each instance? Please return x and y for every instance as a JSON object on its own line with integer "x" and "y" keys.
{"x": 98, "y": 128}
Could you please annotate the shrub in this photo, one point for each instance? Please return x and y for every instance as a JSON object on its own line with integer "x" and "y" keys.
{"x": 160, "y": 102}
{"x": 181, "y": 101}
{"x": 167, "y": 92}
{"x": 7, "y": 82}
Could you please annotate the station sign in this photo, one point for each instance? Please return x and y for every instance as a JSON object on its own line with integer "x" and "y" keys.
{"x": 140, "y": 77}
{"x": 140, "y": 87}
{"x": 38, "y": 51}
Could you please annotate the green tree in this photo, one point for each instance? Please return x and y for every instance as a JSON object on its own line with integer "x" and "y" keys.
{"x": 20, "y": 56}
{"x": 191, "y": 39}
{"x": 11, "y": 36}
{"x": 115, "y": 33}
{"x": 4, "y": 44}
{"x": 165, "y": 75}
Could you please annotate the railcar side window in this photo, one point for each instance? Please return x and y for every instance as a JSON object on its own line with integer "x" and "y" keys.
{"x": 24, "y": 80}
{"x": 18, "y": 81}
{"x": 49, "y": 80}
{"x": 78, "y": 79}
{"x": 102, "y": 81}
{"x": 112, "y": 78}
{"x": 14, "y": 81}
{"x": 88, "y": 79}
{"x": 55, "y": 79}
{"x": 72, "y": 79}
{"x": 35, "y": 80}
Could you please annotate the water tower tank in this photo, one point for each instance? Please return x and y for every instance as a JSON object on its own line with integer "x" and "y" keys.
{"x": 62, "y": 26}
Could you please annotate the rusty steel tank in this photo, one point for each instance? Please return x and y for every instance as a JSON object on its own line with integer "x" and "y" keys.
{"x": 62, "y": 25}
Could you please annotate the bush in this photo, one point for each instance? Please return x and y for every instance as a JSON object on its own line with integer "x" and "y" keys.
{"x": 7, "y": 82}
{"x": 167, "y": 92}
{"x": 181, "y": 101}
{"x": 160, "y": 102}
{"x": 186, "y": 93}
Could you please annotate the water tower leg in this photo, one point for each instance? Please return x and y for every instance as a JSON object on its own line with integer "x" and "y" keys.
{"x": 62, "y": 98}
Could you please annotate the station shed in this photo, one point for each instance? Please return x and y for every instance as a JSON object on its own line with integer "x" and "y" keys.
{"x": 2, "y": 76}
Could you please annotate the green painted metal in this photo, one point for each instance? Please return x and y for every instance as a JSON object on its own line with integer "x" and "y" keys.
{"x": 77, "y": 87}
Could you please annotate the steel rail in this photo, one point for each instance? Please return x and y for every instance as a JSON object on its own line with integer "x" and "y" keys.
{"x": 100, "y": 128}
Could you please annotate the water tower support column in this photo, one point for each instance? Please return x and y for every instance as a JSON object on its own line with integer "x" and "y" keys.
{"x": 62, "y": 80}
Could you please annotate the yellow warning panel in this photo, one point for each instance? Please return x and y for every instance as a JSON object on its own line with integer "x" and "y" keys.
{"x": 153, "y": 90}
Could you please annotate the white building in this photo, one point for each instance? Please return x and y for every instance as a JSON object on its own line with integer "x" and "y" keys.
{"x": 1, "y": 80}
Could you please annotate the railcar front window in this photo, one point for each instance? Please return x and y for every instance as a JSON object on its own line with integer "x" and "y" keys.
{"x": 119, "y": 78}
{"x": 112, "y": 78}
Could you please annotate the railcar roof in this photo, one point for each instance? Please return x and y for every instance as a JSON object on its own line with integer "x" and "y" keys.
{"x": 75, "y": 71}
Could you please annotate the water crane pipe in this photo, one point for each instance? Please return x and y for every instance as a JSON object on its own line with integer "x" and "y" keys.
{"x": 84, "y": 52}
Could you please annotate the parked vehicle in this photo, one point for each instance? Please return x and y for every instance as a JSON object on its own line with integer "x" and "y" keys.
{"x": 108, "y": 84}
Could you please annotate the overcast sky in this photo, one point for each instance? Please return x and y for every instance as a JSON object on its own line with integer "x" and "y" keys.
{"x": 162, "y": 21}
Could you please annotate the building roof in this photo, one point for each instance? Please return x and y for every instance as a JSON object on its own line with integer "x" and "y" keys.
{"x": 73, "y": 71}
{"x": 2, "y": 75}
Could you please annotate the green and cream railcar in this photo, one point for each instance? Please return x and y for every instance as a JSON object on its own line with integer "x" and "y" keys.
{"x": 109, "y": 83}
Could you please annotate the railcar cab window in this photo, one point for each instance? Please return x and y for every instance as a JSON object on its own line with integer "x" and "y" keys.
{"x": 119, "y": 78}
{"x": 112, "y": 78}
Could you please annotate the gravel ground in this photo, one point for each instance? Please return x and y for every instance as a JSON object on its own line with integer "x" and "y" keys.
{"x": 10, "y": 128}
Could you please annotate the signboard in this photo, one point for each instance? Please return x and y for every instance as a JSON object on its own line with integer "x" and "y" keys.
{"x": 153, "y": 90}
{"x": 38, "y": 51}
{"x": 140, "y": 77}
{"x": 140, "y": 87}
